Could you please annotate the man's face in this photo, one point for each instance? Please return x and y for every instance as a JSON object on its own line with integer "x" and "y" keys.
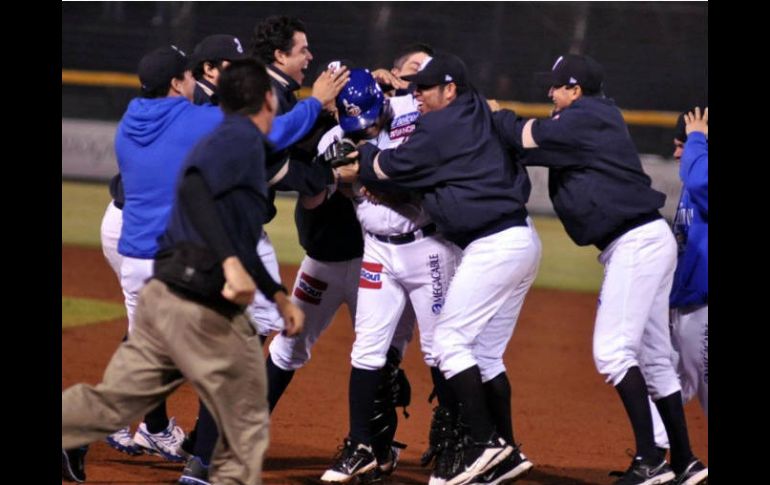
{"x": 212, "y": 72}
{"x": 562, "y": 96}
{"x": 678, "y": 149}
{"x": 187, "y": 88}
{"x": 294, "y": 62}
{"x": 412, "y": 64}
{"x": 431, "y": 98}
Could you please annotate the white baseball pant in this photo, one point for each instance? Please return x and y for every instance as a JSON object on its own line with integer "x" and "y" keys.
{"x": 392, "y": 277}
{"x": 632, "y": 319}
{"x": 112, "y": 222}
{"x": 690, "y": 338}
{"x": 263, "y": 313}
{"x": 484, "y": 301}
{"x": 319, "y": 290}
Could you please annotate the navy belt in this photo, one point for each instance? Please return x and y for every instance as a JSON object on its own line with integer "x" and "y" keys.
{"x": 408, "y": 237}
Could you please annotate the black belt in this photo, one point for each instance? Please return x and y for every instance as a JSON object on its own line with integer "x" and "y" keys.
{"x": 408, "y": 237}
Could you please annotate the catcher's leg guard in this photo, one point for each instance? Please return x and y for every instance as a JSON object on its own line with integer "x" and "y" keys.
{"x": 394, "y": 390}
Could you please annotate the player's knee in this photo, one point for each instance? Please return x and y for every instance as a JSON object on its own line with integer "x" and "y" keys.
{"x": 490, "y": 368}
{"x": 288, "y": 357}
{"x": 367, "y": 360}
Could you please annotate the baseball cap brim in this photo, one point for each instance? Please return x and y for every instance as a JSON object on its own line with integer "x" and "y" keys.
{"x": 423, "y": 79}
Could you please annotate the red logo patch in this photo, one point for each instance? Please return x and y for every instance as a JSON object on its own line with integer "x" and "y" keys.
{"x": 370, "y": 276}
{"x": 309, "y": 289}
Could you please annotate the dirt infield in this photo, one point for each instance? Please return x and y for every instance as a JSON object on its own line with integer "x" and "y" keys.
{"x": 571, "y": 424}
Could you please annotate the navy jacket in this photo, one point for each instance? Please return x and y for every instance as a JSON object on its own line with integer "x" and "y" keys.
{"x": 595, "y": 178}
{"x": 232, "y": 162}
{"x": 471, "y": 188}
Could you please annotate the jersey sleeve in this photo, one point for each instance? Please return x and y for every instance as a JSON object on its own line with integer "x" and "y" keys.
{"x": 694, "y": 170}
{"x": 290, "y": 127}
{"x": 411, "y": 165}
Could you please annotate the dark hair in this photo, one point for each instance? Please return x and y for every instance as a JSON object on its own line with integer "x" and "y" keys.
{"x": 275, "y": 32}
{"x": 161, "y": 91}
{"x": 197, "y": 71}
{"x": 242, "y": 87}
{"x": 409, "y": 50}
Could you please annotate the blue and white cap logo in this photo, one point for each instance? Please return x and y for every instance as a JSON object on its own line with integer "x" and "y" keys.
{"x": 351, "y": 109}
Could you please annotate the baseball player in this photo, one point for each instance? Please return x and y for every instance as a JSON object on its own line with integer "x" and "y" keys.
{"x": 475, "y": 195}
{"x": 154, "y": 135}
{"x": 689, "y": 295}
{"x": 190, "y": 317}
{"x": 405, "y": 261}
{"x": 330, "y": 234}
{"x": 604, "y": 198}
{"x": 210, "y": 57}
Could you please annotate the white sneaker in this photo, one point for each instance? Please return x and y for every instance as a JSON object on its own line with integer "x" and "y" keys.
{"x": 167, "y": 443}
{"x": 122, "y": 441}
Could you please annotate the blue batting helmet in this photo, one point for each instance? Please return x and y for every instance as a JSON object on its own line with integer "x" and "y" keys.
{"x": 360, "y": 102}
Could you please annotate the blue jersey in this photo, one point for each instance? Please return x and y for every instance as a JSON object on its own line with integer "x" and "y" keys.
{"x": 691, "y": 225}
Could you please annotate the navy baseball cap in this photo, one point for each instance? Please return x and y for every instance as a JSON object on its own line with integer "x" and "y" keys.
{"x": 218, "y": 46}
{"x": 160, "y": 66}
{"x": 441, "y": 68}
{"x": 574, "y": 69}
{"x": 680, "y": 133}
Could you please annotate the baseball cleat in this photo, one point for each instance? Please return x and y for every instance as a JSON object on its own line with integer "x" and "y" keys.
{"x": 353, "y": 459}
{"x": 123, "y": 441}
{"x": 73, "y": 466}
{"x": 695, "y": 474}
{"x": 167, "y": 443}
{"x": 640, "y": 473}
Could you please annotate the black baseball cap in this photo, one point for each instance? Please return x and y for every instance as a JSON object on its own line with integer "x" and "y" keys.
{"x": 441, "y": 68}
{"x": 160, "y": 66}
{"x": 574, "y": 69}
{"x": 218, "y": 46}
{"x": 680, "y": 133}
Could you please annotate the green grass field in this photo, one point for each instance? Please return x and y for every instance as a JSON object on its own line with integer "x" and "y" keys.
{"x": 563, "y": 266}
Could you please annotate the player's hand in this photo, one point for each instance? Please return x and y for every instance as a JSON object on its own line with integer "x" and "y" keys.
{"x": 348, "y": 173}
{"x": 239, "y": 286}
{"x": 694, "y": 121}
{"x": 383, "y": 76}
{"x": 293, "y": 316}
{"x": 329, "y": 84}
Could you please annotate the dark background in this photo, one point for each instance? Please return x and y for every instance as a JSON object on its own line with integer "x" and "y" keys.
{"x": 655, "y": 54}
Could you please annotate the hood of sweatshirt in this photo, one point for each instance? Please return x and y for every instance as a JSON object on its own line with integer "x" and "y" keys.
{"x": 147, "y": 119}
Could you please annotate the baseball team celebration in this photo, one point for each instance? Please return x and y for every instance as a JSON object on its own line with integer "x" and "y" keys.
{"x": 424, "y": 204}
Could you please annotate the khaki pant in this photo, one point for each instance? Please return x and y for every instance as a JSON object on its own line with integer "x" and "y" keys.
{"x": 175, "y": 339}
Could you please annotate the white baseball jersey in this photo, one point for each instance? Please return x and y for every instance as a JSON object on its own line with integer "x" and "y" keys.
{"x": 322, "y": 287}
{"x": 393, "y": 276}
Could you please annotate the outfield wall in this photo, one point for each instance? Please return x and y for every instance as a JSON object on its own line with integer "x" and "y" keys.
{"x": 88, "y": 154}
